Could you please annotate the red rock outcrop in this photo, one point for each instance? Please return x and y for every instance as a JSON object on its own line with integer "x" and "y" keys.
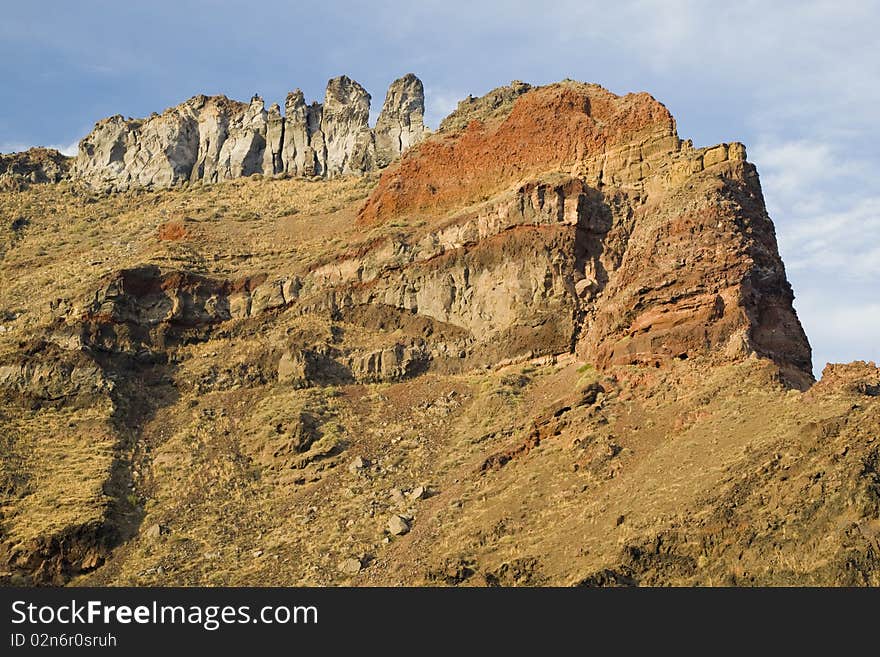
{"x": 670, "y": 251}
{"x": 554, "y": 128}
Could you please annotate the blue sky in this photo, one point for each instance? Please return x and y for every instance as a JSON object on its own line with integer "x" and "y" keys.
{"x": 797, "y": 82}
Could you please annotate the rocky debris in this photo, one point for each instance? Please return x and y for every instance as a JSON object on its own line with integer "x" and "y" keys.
{"x": 35, "y": 165}
{"x": 401, "y": 122}
{"x": 156, "y": 531}
{"x": 418, "y": 493}
{"x": 48, "y": 373}
{"x": 350, "y": 566}
{"x": 213, "y": 138}
{"x": 358, "y": 465}
{"x": 397, "y": 525}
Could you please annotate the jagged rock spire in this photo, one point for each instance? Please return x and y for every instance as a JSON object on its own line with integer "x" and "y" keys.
{"x": 214, "y": 138}
{"x": 401, "y": 123}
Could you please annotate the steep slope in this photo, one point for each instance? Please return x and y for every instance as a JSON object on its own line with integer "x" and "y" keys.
{"x": 551, "y": 344}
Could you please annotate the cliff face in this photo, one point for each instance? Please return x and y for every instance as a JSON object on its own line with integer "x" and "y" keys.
{"x": 401, "y": 123}
{"x": 552, "y": 344}
{"x": 666, "y": 251}
{"x": 214, "y": 138}
{"x": 539, "y": 220}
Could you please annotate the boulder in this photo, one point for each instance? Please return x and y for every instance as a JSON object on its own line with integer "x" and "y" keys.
{"x": 397, "y": 525}
{"x": 358, "y": 464}
{"x": 293, "y": 368}
{"x": 350, "y": 566}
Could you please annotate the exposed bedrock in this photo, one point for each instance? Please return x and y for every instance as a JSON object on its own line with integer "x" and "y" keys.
{"x": 552, "y": 219}
{"x": 215, "y": 138}
{"x": 665, "y": 251}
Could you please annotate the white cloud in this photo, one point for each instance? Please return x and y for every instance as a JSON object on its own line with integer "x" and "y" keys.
{"x": 12, "y": 147}
{"x": 841, "y": 327}
{"x": 440, "y": 103}
{"x": 70, "y": 149}
{"x": 826, "y": 208}
{"x": 827, "y": 217}
{"x": 790, "y": 168}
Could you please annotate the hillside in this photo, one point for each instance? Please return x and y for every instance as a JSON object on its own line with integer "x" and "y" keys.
{"x": 551, "y": 344}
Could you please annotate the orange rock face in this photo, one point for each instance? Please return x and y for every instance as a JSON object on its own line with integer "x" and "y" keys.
{"x": 550, "y": 128}
{"x": 665, "y": 251}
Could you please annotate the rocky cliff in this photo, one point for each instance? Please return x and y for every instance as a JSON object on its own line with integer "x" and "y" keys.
{"x": 35, "y": 165}
{"x": 657, "y": 250}
{"x": 214, "y": 138}
{"x": 553, "y": 343}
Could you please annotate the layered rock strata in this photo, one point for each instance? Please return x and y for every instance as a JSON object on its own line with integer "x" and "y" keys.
{"x": 656, "y": 249}
{"x": 558, "y": 218}
{"x": 556, "y": 228}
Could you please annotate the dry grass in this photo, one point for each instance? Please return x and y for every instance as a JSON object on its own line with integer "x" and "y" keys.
{"x": 64, "y": 459}
{"x": 72, "y": 237}
{"x": 677, "y": 462}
